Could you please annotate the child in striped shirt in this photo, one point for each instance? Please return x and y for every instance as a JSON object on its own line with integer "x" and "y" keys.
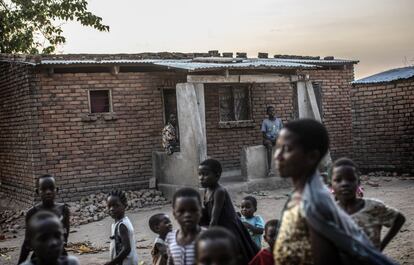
{"x": 186, "y": 205}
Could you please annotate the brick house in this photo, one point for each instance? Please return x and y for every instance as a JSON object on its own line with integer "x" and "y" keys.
{"x": 383, "y": 121}
{"x": 93, "y": 121}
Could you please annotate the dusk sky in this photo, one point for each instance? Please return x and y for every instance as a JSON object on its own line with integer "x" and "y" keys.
{"x": 379, "y": 33}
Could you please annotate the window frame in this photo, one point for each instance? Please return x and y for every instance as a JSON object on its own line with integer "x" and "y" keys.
{"x": 249, "y": 102}
{"x": 109, "y": 98}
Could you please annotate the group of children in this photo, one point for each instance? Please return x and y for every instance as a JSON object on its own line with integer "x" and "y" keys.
{"x": 315, "y": 227}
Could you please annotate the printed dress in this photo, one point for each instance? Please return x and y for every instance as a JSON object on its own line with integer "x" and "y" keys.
{"x": 293, "y": 241}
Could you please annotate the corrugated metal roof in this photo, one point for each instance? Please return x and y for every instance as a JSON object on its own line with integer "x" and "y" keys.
{"x": 190, "y": 65}
{"x": 318, "y": 62}
{"x": 245, "y": 64}
{"x": 388, "y": 76}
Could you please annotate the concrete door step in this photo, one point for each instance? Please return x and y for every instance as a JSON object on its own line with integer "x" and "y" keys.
{"x": 270, "y": 183}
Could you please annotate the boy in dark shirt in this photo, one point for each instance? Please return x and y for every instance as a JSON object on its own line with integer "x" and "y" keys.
{"x": 47, "y": 191}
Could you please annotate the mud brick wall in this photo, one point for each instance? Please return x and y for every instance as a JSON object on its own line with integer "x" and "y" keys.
{"x": 225, "y": 144}
{"x": 383, "y": 126}
{"x": 98, "y": 152}
{"x": 336, "y": 107}
{"x": 16, "y": 114}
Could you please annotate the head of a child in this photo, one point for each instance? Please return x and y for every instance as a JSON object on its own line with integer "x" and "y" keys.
{"x": 160, "y": 224}
{"x": 186, "y": 205}
{"x": 270, "y": 232}
{"x": 46, "y": 236}
{"x": 248, "y": 206}
{"x": 300, "y": 147}
{"x": 345, "y": 179}
{"x": 270, "y": 111}
{"x": 117, "y": 203}
{"x": 47, "y": 189}
{"x": 209, "y": 172}
{"x": 172, "y": 119}
{"x": 216, "y": 246}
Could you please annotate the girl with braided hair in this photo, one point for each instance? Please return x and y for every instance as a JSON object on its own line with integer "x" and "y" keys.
{"x": 122, "y": 248}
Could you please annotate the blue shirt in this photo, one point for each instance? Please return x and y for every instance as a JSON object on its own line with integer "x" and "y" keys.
{"x": 272, "y": 128}
{"x": 256, "y": 221}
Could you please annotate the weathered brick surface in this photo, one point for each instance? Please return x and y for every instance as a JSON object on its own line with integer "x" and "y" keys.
{"x": 113, "y": 152}
{"x": 336, "y": 106}
{"x": 47, "y": 127}
{"x": 16, "y": 115}
{"x": 383, "y": 126}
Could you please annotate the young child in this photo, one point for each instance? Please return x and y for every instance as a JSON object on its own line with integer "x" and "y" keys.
{"x": 47, "y": 191}
{"x": 216, "y": 246}
{"x": 122, "y": 248}
{"x": 370, "y": 214}
{"x": 219, "y": 211}
{"x": 265, "y": 256}
{"x": 46, "y": 235}
{"x": 271, "y": 127}
{"x": 253, "y": 223}
{"x": 160, "y": 224}
{"x": 186, "y": 205}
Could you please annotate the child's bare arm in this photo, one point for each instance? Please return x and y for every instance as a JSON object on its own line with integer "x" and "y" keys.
{"x": 395, "y": 228}
{"x": 219, "y": 196}
{"x": 126, "y": 246}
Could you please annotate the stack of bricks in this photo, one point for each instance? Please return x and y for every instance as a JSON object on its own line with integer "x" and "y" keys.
{"x": 383, "y": 126}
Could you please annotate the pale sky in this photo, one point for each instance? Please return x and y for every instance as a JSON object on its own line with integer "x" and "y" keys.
{"x": 379, "y": 33}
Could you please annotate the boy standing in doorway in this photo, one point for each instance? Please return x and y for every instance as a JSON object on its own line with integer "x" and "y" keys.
{"x": 270, "y": 129}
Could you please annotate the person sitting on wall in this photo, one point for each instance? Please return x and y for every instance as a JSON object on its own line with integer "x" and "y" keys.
{"x": 170, "y": 140}
{"x": 270, "y": 129}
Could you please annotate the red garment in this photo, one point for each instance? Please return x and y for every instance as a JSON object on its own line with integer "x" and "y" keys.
{"x": 264, "y": 257}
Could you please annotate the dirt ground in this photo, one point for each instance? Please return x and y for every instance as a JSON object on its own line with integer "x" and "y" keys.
{"x": 395, "y": 192}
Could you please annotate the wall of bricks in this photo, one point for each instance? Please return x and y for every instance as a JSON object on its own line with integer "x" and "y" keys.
{"x": 225, "y": 144}
{"x": 336, "y": 106}
{"x": 112, "y": 152}
{"x": 16, "y": 114}
{"x": 383, "y": 126}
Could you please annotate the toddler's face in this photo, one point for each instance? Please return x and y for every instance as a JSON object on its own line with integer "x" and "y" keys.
{"x": 270, "y": 236}
{"x": 247, "y": 209}
{"x": 187, "y": 212}
{"x": 215, "y": 252}
{"x": 165, "y": 225}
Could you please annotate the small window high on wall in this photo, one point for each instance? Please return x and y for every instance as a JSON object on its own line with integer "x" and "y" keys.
{"x": 100, "y": 101}
{"x": 234, "y": 102}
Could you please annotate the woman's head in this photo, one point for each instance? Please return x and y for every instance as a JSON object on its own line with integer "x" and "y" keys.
{"x": 187, "y": 207}
{"x": 117, "y": 203}
{"x": 209, "y": 172}
{"x": 300, "y": 147}
{"x": 345, "y": 179}
{"x": 216, "y": 246}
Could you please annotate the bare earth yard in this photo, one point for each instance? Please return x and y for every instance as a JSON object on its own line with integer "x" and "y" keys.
{"x": 396, "y": 192}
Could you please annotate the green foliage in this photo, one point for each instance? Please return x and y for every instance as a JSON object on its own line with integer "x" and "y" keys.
{"x": 25, "y": 23}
